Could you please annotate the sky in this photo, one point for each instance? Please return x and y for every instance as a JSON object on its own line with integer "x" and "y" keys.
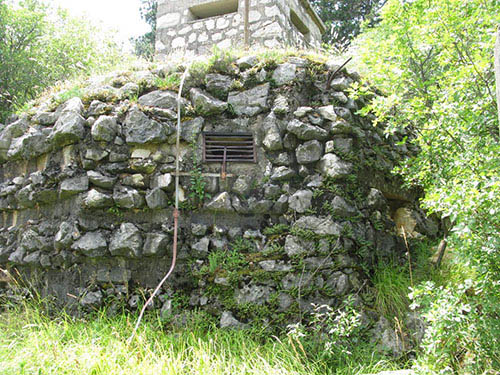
{"x": 120, "y": 15}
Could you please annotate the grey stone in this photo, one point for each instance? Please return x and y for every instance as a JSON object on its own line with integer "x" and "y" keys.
{"x": 69, "y": 128}
{"x": 250, "y": 102}
{"x": 201, "y": 247}
{"x": 91, "y": 299}
{"x": 338, "y": 282}
{"x": 91, "y": 244}
{"x": 75, "y": 185}
{"x": 301, "y": 201}
{"x": 105, "y": 129}
{"x": 344, "y": 113}
{"x": 227, "y": 320}
{"x": 284, "y": 73}
{"x": 386, "y": 338}
{"x": 302, "y": 111}
{"x": 343, "y": 209}
{"x": 328, "y": 113}
{"x": 29, "y": 145}
{"x": 162, "y": 99}
{"x": 220, "y": 203}
{"x": 260, "y": 206}
{"x": 101, "y": 180}
{"x": 95, "y": 154}
{"x": 376, "y": 200}
{"x": 73, "y": 105}
{"x": 282, "y": 174}
{"x": 129, "y": 90}
{"x": 65, "y": 235}
{"x": 331, "y": 165}
{"x": 96, "y": 199}
{"x": 257, "y": 294}
{"x": 205, "y": 104}
{"x": 127, "y": 197}
{"x": 340, "y": 97}
{"x": 341, "y": 84}
{"x": 305, "y": 131}
{"x": 156, "y": 199}
{"x": 198, "y": 229}
{"x": 156, "y": 244}
{"x": 163, "y": 181}
{"x": 309, "y": 152}
{"x": 140, "y": 129}
{"x": 113, "y": 275}
{"x": 97, "y": 108}
{"x": 281, "y": 205}
{"x": 24, "y": 196}
{"x": 33, "y": 259}
{"x": 319, "y": 225}
{"x": 45, "y": 118}
{"x": 126, "y": 241}
{"x": 242, "y": 185}
{"x": 32, "y": 241}
{"x": 274, "y": 266}
{"x": 218, "y": 85}
{"x": 297, "y": 246}
{"x": 17, "y": 256}
{"x": 342, "y": 127}
{"x": 247, "y": 62}
{"x": 190, "y": 130}
{"x": 272, "y": 139}
{"x": 280, "y": 106}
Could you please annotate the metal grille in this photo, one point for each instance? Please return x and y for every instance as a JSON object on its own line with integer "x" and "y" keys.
{"x": 224, "y": 147}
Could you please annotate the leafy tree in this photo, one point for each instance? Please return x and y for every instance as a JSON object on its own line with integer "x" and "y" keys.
{"x": 41, "y": 45}
{"x": 434, "y": 60}
{"x": 344, "y": 18}
{"x": 144, "y": 45}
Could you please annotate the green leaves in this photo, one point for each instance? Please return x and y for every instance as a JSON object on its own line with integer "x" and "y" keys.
{"x": 41, "y": 46}
{"x": 434, "y": 61}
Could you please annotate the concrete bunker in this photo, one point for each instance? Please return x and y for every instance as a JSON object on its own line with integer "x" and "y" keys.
{"x": 198, "y": 25}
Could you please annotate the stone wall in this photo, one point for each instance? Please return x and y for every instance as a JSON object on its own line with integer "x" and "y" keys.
{"x": 271, "y": 26}
{"x": 87, "y": 189}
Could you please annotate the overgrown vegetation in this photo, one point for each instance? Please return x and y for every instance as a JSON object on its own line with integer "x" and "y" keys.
{"x": 434, "y": 61}
{"x": 32, "y": 342}
{"x": 41, "y": 46}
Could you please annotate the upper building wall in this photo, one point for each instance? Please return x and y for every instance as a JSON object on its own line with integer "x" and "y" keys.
{"x": 198, "y": 25}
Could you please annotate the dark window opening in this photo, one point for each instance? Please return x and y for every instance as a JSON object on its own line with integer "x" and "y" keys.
{"x": 224, "y": 147}
{"x": 297, "y": 22}
{"x": 213, "y": 9}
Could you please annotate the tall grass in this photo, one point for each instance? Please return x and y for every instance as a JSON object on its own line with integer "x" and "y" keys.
{"x": 33, "y": 343}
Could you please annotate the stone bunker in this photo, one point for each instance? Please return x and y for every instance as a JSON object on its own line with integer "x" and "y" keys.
{"x": 198, "y": 25}
{"x": 299, "y": 212}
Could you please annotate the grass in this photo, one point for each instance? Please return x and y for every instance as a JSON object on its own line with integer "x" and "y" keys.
{"x": 31, "y": 342}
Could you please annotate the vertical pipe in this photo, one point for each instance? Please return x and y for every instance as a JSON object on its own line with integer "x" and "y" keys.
{"x": 247, "y": 21}
{"x": 176, "y": 211}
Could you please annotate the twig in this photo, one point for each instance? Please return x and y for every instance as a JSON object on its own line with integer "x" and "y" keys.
{"x": 330, "y": 78}
{"x": 409, "y": 255}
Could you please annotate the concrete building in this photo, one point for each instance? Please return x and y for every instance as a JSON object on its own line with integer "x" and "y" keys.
{"x": 198, "y": 25}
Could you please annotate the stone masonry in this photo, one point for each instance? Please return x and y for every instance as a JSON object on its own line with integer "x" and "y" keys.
{"x": 198, "y": 25}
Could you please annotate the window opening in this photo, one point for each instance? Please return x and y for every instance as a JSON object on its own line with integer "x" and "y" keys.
{"x": 228, "y": 147}
{"x": 214, "y": 9}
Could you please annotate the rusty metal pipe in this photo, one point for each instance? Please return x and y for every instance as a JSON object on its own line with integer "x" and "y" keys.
{"x": 176, "y": 211}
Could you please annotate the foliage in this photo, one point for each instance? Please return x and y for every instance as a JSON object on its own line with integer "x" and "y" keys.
{"x": 41, "y": 45}
{"x": 434, "y": 59}
{"x": 32, "y": 342}
{"x": 144, "y": 45}
{"x": 344, "y": 19}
